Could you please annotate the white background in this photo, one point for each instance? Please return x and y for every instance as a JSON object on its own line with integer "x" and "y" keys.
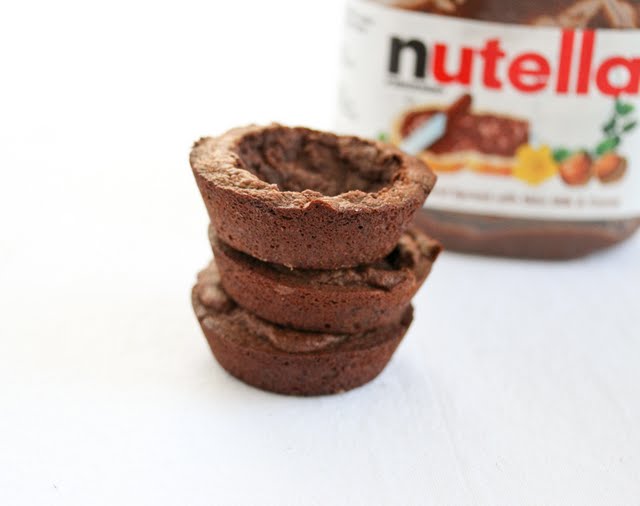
{"x": 519, "y": 383}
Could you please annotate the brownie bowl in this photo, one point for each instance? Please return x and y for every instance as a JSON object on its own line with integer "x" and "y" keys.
{"x": 289, "y": 361}
{"x": 308, "y": 199}
{"x": 349, "y": 300}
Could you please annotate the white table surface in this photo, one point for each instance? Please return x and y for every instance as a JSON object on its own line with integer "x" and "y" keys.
{"x": 518, "y": 384}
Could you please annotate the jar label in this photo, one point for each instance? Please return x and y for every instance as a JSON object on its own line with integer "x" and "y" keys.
{"x": 519, "y": 121}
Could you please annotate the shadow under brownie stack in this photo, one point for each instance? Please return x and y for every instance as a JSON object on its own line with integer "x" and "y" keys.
{"x": 315, "y": 261}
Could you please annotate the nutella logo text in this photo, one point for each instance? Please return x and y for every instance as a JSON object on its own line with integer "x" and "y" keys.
{"x": 571, "y": 71}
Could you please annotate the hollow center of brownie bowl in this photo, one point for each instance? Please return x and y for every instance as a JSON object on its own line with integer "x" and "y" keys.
{"x": 297, "y": 159}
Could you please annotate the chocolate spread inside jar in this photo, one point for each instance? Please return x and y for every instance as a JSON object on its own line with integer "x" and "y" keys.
{"x": 526, "y": 109}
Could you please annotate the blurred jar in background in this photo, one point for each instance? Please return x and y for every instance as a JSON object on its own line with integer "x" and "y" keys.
{"x": 528, "y": 111}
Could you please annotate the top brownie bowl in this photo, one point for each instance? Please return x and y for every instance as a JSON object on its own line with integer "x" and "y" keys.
{"x": 308, "y": 199}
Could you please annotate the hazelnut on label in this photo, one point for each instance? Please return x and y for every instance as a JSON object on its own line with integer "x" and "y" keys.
{"x": 610, "y": 167}
{"x": 577, "y": 169}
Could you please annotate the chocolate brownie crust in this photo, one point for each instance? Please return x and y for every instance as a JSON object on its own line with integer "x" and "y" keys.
{"x": 343, "y": 300}
{"x": 308, "y": 199}
{"x": 289, "y": 361}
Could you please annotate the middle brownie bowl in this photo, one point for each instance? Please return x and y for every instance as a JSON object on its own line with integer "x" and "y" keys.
{"x": 308, "y": 199}
{"x": 349, "y": 301}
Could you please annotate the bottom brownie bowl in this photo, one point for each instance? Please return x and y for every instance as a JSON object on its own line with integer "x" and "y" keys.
{"x": 287, "y": 361}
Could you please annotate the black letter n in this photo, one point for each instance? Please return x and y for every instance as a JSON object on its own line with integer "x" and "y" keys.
{"x": 419, "y": 49}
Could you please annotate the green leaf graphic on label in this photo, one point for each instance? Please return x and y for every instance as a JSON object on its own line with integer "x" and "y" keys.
{"x": 610, "y": 126}
{"x": 561, "y": 154}
{"x": 630, "y": 126}
{"x": 608, "y": 145}
{"x": 382, "y": 136}
{"x": 624, "y": 108}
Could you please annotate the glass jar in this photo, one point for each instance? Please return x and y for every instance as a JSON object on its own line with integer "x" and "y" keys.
{"x": 526, "y": 110}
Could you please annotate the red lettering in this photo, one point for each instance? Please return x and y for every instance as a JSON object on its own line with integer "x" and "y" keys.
{"x": 566, "y": 57}
{"x": 491, "y": 53}
{"x": 529, "y": 72}
{"x": 603, "y": 77}
{"x": 463, "y": 75}
{"x": 586, "y": 58}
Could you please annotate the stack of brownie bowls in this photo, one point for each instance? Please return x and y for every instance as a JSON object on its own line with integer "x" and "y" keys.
{"x": 315, "y": 262}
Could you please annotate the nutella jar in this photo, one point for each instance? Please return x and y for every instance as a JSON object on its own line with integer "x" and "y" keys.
{"x": 527, "y": 110}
